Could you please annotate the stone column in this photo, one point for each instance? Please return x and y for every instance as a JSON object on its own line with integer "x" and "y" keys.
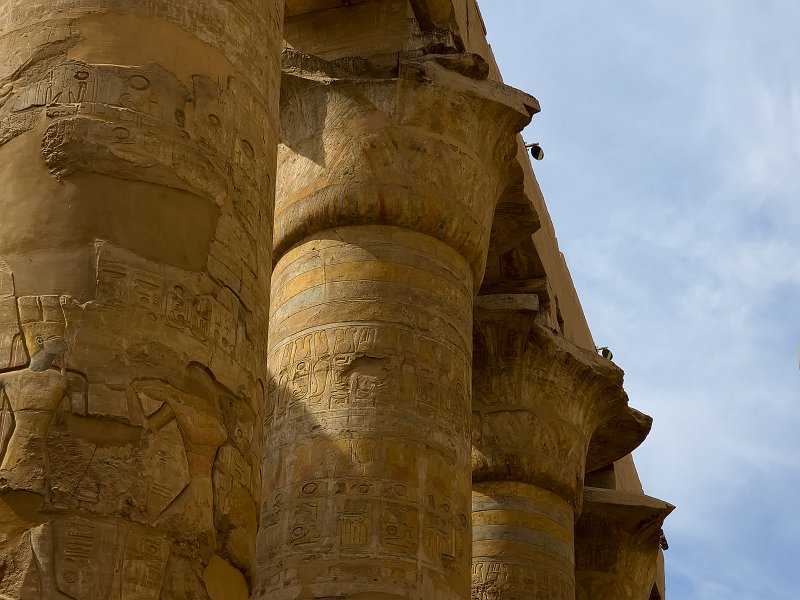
{"x": 386, "y": 192}
{"x": 538, "y": 404}
{"x": 137, "y": 159}
{"x": 617, "y": 542}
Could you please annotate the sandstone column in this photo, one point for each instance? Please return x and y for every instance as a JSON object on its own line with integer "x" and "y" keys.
{"x": 387, "y": 188}
{"x": 137, "y": 160}
{"x": 617, "y": 542}
{"x": 544, "y": 412}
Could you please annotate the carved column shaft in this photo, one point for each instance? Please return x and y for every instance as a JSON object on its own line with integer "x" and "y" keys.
{"x": 379, "y": 237}
{"x": 137, "y": 163}
{"x": 368, "y": 453}
{"x": 539, "y": 403}
{"x": 522, "y": 543}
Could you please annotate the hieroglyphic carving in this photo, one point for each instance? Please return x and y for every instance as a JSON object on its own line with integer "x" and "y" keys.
{"x": 166, "y": 468}
{"x": 212, "y": 317}
{"x": 114, "y": 451}
{"x": 440, "y": 534}
{"x": 137, "y": 466}
{"x": 400, "y": 532}
{"x": 495, "y": 580}
{"x": 307, "y": 514}
{"x": 143, "y": 566}
{"x": 136, "y": 120}
{"x": 85, "y": 558}
{"x": 368, "y": 514}
{"x": 206, "y": 318}
{"x": 78, "y": 88}
{"x": 359, "y": 495}
{"x": 362, "y": 366}
{"x": 145, "y": 124}
{"x": 153, "y": 461}
{"x": 354, "y": 526}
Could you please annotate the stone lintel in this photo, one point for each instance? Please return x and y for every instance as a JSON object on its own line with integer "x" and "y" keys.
{"x": 432, "y": 16}
{"x": 533, "y": 285}
{"x": 635, "y": 513}
{"x": 458, "y": 73}
{"x": 504, "y": 302}
{"x": 301, "y": 7}
{"x": 468, "y": 74}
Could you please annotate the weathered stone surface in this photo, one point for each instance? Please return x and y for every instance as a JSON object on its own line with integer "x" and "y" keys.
{"x": 137, "y": 168}
{"x": 143, "y": 408}
{"x": 617, "y": 544}
{"x": 379, "y": 240}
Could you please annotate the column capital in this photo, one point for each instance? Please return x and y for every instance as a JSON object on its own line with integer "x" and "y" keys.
{"x": 543, "y": 408}
{"x": 427, "y": 147}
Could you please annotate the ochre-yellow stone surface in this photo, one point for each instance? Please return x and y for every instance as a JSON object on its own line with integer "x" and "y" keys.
{"x": 283, "y": 317}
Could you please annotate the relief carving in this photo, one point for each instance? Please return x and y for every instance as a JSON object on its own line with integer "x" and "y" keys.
{"x": 86, "y": 559}
{"x": 495, "y": 580}
{"x": 362, "y": 366}
{"x": 12, "y": 347}
{"x": 130, "y": 410}
{"x": 400, "y": 532}
{"x": 364, "y": 513}
{"x": 142, "y": 124}
{"x": 30, "y": 396}
{"x": 209, "y": 318}
{"x": 139, "y": 448}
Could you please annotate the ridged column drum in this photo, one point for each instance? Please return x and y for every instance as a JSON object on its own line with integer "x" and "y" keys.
{"x": 137, "y": 168}
{"x": 379, "y": 239}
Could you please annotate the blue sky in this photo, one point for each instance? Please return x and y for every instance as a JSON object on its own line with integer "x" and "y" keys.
{"x": 672, "y": 172}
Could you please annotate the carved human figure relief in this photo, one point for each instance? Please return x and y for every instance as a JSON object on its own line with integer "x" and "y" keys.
{"x": 198, "y": 433}
{"x": 31, "y": 395}
{"x": 12, "y": 348}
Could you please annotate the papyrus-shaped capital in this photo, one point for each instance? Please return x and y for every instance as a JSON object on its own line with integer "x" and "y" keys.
{"x": 428, "y": 148}
{"x": 540, "y": 401}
